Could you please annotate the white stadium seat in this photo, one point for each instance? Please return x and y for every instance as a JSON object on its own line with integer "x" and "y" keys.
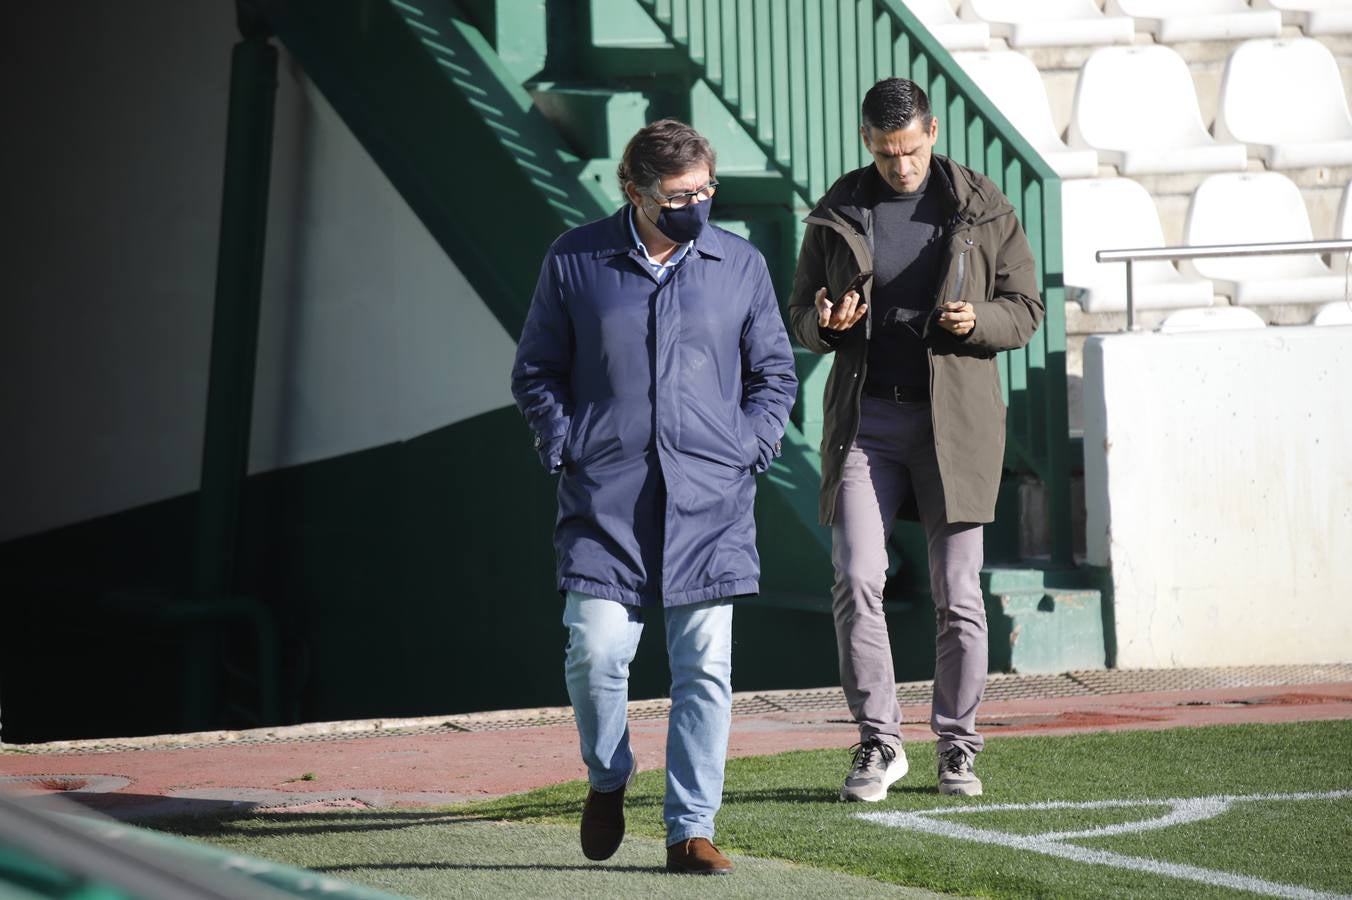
{"x": 1049, "y": 23}
{"x": 1199, "y": 20}
{"x": 1257, "y": 208}
{"x": 1218, "y": 318}
{"x": 1284, "y": 98}
{"x": 1339, "y": 312}
{"x": 1313, "y": 16}
{"x": 943, "y": 23}
{"x": 1119, "y": 214}
{"x": 1138, "y": 108}
{"x": 1013, "y": 84}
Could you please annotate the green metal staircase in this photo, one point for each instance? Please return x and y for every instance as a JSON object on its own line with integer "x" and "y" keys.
{"x": 501, "y": 122}
{"x": 496, "y": 173}
{"x": 794, "y": 74}
{"x": 453, "y": 130}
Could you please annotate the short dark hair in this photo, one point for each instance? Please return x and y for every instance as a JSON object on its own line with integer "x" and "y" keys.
{"x": 664, "y": 148}
{"x": 894, "y": 103}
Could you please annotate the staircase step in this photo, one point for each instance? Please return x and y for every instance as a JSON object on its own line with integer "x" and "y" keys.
{"x": 766, "y": 226}
{"x": 599, "y": 121}
{"x": 737, "y": 149}
{"x": 1045, "y": 620}
{"x": 635, "y": 61}
{"x": 754, "y": 187}
{"x": 599, "y": 173}
{"x": 624, "y": 22}
{"x": 515, "y": 29}
{"x": 1046, "y": 632}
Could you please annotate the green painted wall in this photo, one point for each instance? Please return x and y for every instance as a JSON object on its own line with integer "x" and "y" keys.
{"x": 416, "y": 578}
{"x": 411, "y": 579}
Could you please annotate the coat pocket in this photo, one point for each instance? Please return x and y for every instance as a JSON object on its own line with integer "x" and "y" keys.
{"x": 575, "y": 445}
{"x": 716, "y": 435}
{"x": 749, "y": 440}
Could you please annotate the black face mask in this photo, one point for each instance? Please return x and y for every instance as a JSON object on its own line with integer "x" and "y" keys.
{"x": 685, "y": 224}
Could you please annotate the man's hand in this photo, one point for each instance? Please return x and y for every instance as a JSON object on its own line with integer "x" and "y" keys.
{"x": 957, "y": 317}
{"x": 840, "y": 316}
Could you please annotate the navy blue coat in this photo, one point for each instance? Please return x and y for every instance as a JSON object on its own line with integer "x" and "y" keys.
{"x": 658, "y": 405}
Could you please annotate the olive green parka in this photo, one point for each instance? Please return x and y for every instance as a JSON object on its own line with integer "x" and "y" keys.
{"x": 987, "y": 262}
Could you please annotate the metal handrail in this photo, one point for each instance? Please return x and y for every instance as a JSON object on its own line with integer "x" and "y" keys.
{"x": 1282, "y": 248}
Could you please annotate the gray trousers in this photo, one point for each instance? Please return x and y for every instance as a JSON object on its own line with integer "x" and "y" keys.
{"x": 893, "y": 455}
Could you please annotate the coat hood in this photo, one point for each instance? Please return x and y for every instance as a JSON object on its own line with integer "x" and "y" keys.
{"x": 974, "y": 198}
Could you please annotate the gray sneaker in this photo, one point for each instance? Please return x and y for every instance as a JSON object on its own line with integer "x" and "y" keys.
{"x": 877, "y": 766}
{"x": 956, "y": 775}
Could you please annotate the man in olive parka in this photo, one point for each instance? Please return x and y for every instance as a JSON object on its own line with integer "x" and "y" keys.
{"x": 914, "y": 422}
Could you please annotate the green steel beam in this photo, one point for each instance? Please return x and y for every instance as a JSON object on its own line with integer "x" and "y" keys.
{"x": 234, "y": 343}
{"x": 234, "y": 333}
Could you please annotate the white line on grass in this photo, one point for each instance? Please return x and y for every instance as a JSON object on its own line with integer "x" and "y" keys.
{"x": 1182, "y": 810}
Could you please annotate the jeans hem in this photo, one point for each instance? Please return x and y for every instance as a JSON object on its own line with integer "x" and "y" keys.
{"x": 686, "y": 834}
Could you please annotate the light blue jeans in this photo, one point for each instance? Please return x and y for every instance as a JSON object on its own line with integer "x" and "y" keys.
{"x": 602, "y": 640}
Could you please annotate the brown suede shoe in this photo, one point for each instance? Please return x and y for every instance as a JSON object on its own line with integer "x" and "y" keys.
{"x": 603, "y": 823}
{"x": 697, "y": 856}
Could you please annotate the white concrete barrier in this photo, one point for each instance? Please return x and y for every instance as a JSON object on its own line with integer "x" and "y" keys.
{"x": 1218, "y": 487}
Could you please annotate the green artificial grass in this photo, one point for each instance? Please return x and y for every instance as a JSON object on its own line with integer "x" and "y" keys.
{"x": 427, "y": 855}
{"x": 784, "y": 808}
{"x": 1037, "y": 822}
{"x": 1304, "y": 843}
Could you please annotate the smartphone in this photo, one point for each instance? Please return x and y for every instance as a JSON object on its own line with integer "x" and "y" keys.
{"x": 857, "y": 285}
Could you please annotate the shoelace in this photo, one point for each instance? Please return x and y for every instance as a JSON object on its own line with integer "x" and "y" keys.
{"x": 685, "y": 845}
{"x": 864, "y": 750}
{"x": 953, "y": 760}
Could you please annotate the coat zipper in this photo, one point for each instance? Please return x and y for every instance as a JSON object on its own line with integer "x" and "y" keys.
{"x": 956, "y": 294}
{"x": 962, "y": 267}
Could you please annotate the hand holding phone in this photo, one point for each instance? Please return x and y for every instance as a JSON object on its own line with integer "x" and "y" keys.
{"x": 856, "y": 285}
{"x": 842, "y": 314}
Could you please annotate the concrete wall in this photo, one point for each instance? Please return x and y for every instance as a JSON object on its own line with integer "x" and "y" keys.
{"x": 1218, "y": 481}
{"x": 369, "y": 333}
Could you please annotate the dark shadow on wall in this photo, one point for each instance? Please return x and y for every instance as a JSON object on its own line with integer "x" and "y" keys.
{"x": 411, "y": 579}
{"x": 414, "y": 578}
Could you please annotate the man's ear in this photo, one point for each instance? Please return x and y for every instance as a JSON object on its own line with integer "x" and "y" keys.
{"x": 631, "y": 191}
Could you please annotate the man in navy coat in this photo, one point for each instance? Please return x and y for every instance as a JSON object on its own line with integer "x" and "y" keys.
{"x": 656, "y": 373}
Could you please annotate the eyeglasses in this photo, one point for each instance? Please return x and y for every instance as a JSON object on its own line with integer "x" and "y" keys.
{"x": 676, "y": 201}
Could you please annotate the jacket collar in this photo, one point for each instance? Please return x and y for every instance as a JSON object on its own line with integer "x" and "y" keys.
{"x": 617, "y": 241}
{"x": 973, "y": 197}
